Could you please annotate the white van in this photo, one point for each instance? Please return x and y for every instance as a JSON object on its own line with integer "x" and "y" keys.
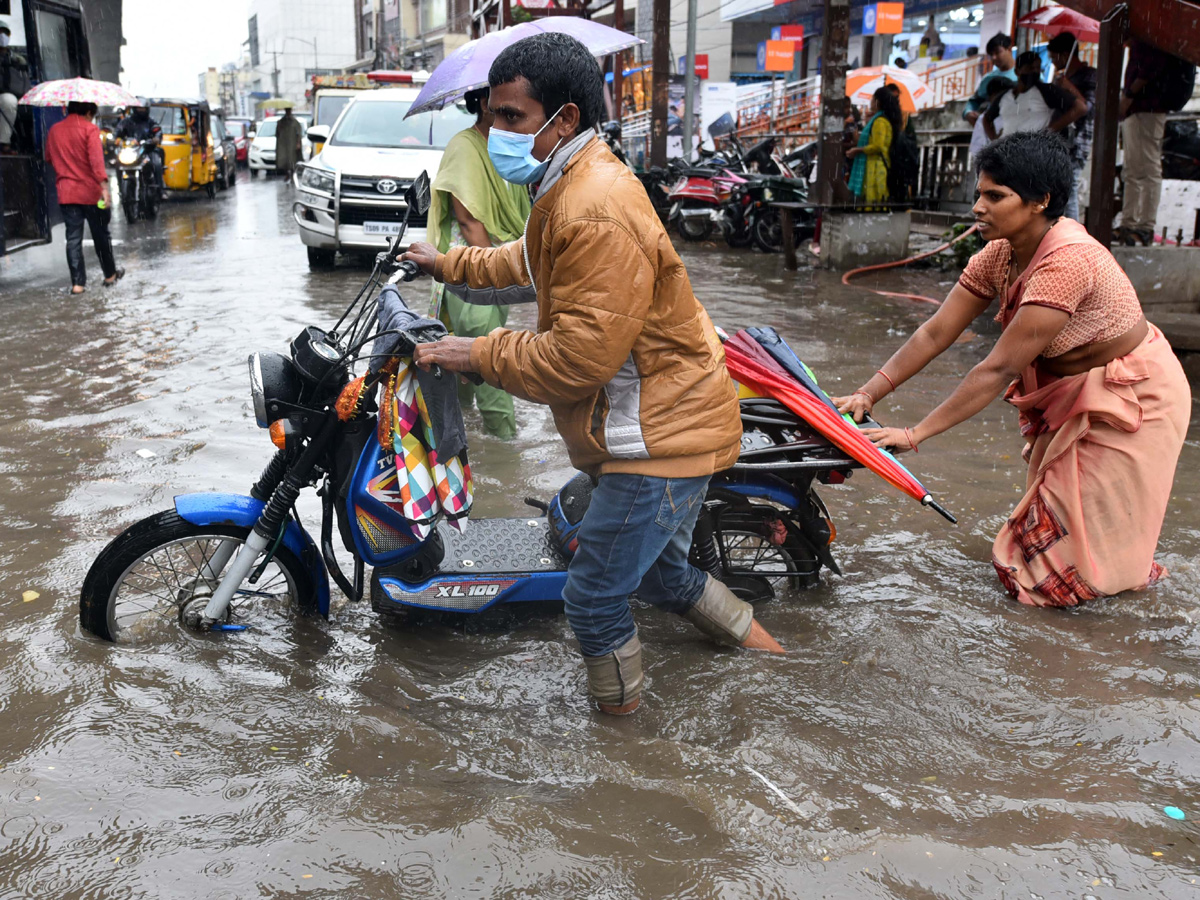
{"x": 351, "y": 194}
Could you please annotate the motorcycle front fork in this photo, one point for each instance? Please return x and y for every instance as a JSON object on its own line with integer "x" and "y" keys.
{"x": 279, "y": 486}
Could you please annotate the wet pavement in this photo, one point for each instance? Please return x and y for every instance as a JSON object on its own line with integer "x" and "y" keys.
{"x": 923, "y": 737}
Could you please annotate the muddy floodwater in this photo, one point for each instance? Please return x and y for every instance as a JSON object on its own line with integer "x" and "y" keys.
{"x": 924, "y": 736}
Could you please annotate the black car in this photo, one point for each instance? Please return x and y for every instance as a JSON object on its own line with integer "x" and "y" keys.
{"x": 225, "y": 151}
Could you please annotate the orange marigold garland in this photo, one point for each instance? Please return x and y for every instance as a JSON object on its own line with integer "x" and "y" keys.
{"x": 350, "y": 399}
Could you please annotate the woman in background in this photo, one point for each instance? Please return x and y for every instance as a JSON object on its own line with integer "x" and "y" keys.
{"x": 873, "y": 155}
{"x": 473, "y": 206}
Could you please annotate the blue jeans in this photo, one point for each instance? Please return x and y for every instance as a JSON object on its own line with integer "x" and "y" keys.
{"x": 1072, "y": 210}
{"x": 635, "y": 536}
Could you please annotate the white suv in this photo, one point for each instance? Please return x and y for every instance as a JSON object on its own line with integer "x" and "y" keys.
{"x": 352, "y": 192}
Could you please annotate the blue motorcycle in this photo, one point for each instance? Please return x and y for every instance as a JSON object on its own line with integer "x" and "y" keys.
{"x": 208, "y": 561}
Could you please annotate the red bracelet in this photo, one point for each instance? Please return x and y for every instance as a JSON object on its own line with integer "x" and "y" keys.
{"x": 911, "y": 442}
{"x": 886, "y": 378}
{"x": 870, "y": 399}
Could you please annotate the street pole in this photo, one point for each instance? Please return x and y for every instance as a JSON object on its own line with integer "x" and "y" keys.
{"x": 835, "y": 41}
{"x": 659, "y": 89}
{"x": 275, "y": 73}
{"x": 689, "y": 86}
{"x": 1101, "y": 202}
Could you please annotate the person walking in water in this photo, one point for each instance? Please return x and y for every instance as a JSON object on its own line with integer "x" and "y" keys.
{"x": 624, "y": 355}
{"x": 472, "y": 206}
{"x": 73, "y": 149}
{"x": 1104, "y": 404}
{"x": 288, "y": 133}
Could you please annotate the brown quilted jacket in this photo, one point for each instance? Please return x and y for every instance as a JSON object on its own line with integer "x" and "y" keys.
{"x": 624, "y": 354}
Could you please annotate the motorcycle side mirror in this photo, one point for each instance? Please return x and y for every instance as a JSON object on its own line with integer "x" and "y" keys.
{"x": 417, "y": 198}
{"x": 418, "y": 195}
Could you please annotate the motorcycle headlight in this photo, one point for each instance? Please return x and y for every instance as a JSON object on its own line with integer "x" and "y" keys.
{"x": 317, "y": 179}
{"x": 273, "y": 379}
{"x": 127, "y": 156}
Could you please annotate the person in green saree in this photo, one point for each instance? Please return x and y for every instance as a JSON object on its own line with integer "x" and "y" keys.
{"x": 473, "y": 206}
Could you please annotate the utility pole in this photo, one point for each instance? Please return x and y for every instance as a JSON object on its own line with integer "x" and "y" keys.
{"x": 835, "y": 42}
{"x": 689, "y": 87}
{"x": 275, "y": 73}
{"x": 659, "y": 90}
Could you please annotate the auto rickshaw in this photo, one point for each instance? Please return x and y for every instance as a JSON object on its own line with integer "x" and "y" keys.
{"x": 189, "y": 161}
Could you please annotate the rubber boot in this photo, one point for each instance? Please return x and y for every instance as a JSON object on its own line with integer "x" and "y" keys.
{"x": 728, "y": 620}
{"x": 615, "y": 679}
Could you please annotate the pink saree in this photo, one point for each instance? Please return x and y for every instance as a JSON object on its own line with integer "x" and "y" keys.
{"x": 1105, "y": 446}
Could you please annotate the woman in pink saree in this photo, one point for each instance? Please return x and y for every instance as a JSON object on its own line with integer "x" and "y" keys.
{"x": 1103, "y": 402}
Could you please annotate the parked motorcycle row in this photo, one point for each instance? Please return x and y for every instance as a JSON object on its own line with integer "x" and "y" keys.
{"x": 733, "y": 191}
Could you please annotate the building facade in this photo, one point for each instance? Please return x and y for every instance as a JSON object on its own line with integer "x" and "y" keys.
{"x": 291, "y": 40}
{"x": 210, "y": 87}
{"x": 409, "y": 34}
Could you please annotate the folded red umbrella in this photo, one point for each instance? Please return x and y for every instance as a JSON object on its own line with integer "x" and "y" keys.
{"x": 745, "y": 360}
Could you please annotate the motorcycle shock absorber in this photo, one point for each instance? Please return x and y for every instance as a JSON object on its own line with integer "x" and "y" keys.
{"x": 704, "y": 542}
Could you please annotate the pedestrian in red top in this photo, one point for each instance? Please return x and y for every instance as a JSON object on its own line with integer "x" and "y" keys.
{"x": 73, "y": 149}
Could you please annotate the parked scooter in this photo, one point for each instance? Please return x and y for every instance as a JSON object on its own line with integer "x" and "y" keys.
{"x": 140, "y": 190}
{"x": 764, "y": 220}
{"x": 696, "y": 199}
{"x": 206, "y": 562}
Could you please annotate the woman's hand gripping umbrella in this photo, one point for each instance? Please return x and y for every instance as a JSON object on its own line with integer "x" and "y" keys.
{"x": 752, "y": 365}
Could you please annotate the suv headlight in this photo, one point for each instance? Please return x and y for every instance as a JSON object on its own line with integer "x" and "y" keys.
{"x": 317, "y": 179}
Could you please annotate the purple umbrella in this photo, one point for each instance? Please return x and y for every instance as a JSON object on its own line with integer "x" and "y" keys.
{"x": 467, "y": 67}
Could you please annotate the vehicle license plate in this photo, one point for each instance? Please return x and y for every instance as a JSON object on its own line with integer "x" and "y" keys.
{"x": 381, "y": 227}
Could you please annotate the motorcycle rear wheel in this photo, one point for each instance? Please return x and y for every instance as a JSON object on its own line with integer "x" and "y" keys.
{"x": 149, "y": 581}
{"x": 768, "y": 232}
{"x": 694, "y": 228}
{"x": 759, "y": 560}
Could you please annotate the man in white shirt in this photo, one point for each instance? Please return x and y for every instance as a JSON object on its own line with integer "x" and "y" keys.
{"x": 1033, "y": 105}
{"x": 979, "y": 138}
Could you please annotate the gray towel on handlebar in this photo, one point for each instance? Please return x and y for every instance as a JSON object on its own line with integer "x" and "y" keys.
{"x": 440, "y": 389}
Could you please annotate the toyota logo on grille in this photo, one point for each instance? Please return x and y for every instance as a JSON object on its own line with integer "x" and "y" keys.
{"x": 386, "y": 186}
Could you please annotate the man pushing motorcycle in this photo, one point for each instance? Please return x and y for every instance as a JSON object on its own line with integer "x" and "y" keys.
{"x": 624, "y": 355}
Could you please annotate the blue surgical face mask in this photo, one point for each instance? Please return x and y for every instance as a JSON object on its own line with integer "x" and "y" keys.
{"x": 512, "y": 154}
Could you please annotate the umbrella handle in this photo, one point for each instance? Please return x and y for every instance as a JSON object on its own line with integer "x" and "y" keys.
{"x": 928, "y": 500}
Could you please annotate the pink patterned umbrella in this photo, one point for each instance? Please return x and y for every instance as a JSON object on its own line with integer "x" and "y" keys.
{"x": 78, "y": 90}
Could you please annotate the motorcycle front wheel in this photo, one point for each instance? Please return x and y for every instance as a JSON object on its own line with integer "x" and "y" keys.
{"x": 158, "y": 575}
{"x": 739, "y": 235}
{"x": 129, "y": 201}
{"x": 150, "y": 203}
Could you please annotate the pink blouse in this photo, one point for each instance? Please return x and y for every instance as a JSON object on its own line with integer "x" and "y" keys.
{"x": 1081, "y": 279}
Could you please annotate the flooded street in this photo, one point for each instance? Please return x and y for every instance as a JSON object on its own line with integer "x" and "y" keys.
{"x": 924, "y": 736}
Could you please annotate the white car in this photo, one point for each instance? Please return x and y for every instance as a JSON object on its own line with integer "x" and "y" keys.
{"x": 262, "y": 149}
{"x": 351, "y": 194}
